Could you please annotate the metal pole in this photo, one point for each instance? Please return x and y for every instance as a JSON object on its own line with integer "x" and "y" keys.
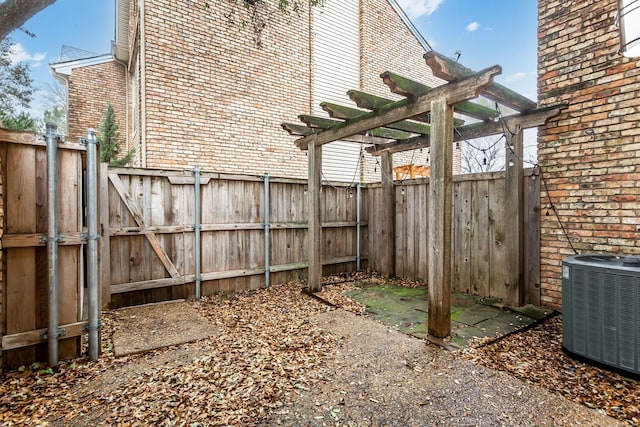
{"x": 358, "y": 213}
{"x": 197, "y": 228}
{"x": 52, "y": 242}
{"x": 92, "y": 244}
{"x": 267, "y": 243}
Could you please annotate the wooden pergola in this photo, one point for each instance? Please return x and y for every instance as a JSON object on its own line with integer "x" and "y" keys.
{"x": 425, "y": 118}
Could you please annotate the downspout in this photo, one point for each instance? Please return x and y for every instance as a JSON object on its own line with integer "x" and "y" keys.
{"x": 143, "y": 88}
{"x": 92, "y": 243}
{"x": 52, "y": 242}
{"x": 126, "y": 102}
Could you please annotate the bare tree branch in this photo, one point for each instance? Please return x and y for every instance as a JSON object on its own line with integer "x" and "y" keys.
{"x": 14, "y": 13}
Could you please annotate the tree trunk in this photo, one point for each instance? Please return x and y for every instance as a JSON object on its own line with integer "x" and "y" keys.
{"x": 14, "y": 13}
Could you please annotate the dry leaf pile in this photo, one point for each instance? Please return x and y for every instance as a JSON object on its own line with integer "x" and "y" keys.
{"x": 266, "y": 350}
{"x": 537, "y": 356}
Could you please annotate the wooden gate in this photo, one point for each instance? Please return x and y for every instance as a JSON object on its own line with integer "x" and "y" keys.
{"x": 25, "y": 276}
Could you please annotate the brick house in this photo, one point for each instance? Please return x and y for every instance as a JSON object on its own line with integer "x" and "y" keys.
{"x": 590, "y": 154}
{"x": 189, "y": 88}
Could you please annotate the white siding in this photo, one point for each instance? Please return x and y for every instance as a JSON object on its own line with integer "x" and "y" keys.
{"x": 336, "y": 58}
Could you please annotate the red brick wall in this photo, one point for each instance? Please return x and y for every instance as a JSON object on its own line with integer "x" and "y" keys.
{"x": 214, "y": 99}
{"x": 90, "y": 90}
{"x": 590, "y": 154}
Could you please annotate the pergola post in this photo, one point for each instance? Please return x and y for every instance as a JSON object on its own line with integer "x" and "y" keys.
{"x": 514, "y": 213}
{"x": 440, "y": 215}
{"x": 314, "y": 274}
{"x": 387, "y": 222}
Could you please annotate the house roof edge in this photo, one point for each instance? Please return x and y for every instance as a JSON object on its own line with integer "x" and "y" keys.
{"x": 401, "y": 13}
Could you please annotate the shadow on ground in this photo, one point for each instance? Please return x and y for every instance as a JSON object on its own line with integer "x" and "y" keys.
{"x": 471, "y": 316}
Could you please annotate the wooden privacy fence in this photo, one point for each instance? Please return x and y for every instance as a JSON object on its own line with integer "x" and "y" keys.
{"x": 253, "y": 231}
{"x": 149, "y": 233}
{"x": 481, "y": 226}
{"x": 23, "y": 163}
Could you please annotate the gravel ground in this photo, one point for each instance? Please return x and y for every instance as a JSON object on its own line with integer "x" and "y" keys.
{"x": 282, "y": 358}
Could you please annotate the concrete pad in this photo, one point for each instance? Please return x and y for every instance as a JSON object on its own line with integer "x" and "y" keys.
{"x": 506, "y": 322}
{"x": 148, "y": 327}
{"x": 472, "y": 317}
{"x": 474, "y": 314}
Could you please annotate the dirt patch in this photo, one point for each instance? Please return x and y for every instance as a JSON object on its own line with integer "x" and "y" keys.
{"x": 144, "y": 328}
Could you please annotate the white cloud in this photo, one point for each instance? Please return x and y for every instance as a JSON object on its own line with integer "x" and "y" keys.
{"x": 19, "y": 54}
{"x": 472, "y": 27}
{"x": 415, "y": 9}
{"x": 515, "y": 77}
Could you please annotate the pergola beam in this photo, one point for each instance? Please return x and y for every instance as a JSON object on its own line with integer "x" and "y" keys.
{"x": 400, "y": 146}
{"x": 302, "y": 130}
{"x": 380, "y": 132}
{"x": 407, "y": 87}
{"x": 449, "y": 70}
{"x": 454, "y": 92}
{"x": 345, "y": 113}
{"x": 476, "y": 130}
{"x": 368, "y": 101}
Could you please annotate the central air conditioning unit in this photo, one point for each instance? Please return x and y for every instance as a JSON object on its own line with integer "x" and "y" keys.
{"x": 601, "y": 309}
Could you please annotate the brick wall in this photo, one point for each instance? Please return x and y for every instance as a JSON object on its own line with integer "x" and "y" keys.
{"x": 214, "y": 99}
{"x": 590, "y": 154}
{"x": 90, "y": 90}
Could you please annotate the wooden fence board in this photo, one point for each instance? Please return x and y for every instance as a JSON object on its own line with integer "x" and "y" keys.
{"x": 70, "y": 283}
{"x": 422, "y": 230}
{"x": 498, "y": 248}
{"x": 401, "y": 237}
{"x": 462, "y": 245}
{"x": 479, "y": 274}
{"x": 20, "y": 217}
{"x": 532, "y": 240}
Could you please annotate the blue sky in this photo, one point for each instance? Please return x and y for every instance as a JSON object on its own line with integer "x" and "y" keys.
{"x": 84, "y": 24}
{"x": 487, "y": 32}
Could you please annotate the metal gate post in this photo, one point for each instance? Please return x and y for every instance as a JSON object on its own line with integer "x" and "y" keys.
{"x": 197, "y": 228}
{"x": 52, "y": 242}
{"x": 267, "y": 242}
{"x": 92, "y": 244}
{"x": 358, "y": 220}
{"x": 267, "y": 233}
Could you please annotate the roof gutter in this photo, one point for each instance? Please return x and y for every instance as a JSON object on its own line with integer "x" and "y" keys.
{"x": 120, "y": 47}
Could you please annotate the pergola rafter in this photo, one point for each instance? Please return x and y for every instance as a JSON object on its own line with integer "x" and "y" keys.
{"x": 424, "y": 118}
{"x": 406, "y": 87}
{"x": 450, "y": 70}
